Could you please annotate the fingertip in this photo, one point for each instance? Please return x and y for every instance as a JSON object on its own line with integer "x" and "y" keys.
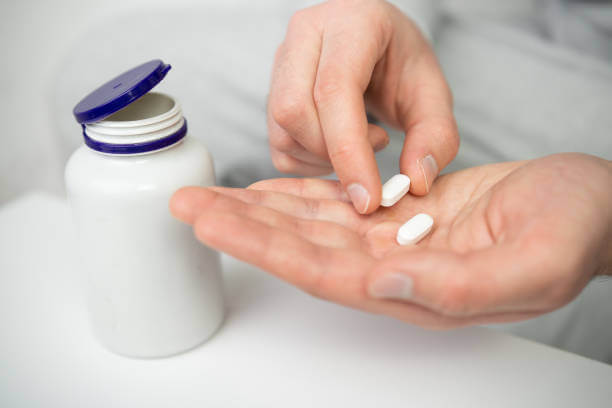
{"x": 204, "y": 226}
{"x": 183, "y": 202}
{"x": 357, "y": 170}
{"x": 379, "y": 139}
{"x": 365, "y": 200}
{"x": 376, "y": 195}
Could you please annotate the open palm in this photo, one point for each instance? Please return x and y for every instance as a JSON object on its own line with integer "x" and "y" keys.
{"x": 511, "y": 240}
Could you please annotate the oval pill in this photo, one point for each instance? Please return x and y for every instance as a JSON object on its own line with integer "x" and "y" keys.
{"x": 415, "y": 229}
{"x": 394, "y": 189}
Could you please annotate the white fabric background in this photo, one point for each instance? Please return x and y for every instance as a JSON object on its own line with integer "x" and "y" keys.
{"x": 518, "y": 94}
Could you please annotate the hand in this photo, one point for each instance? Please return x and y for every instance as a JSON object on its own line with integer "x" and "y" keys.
{"x": 334, "y": 56}
{"x": 510, "y": 240}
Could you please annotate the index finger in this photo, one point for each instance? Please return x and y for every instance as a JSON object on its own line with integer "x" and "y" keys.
{"x": 347, "y": 61}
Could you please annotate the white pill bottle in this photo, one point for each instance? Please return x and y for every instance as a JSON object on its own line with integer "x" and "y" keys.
{"x": 153, "y": 289}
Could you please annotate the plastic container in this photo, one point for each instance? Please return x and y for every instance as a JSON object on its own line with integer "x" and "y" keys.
{"x": 154, "y": 290}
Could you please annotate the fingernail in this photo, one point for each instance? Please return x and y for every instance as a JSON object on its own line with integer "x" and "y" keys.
{"x": 359, "y": 196}
{"x": 392, "y": 286}
{"x": 429, "y": 167}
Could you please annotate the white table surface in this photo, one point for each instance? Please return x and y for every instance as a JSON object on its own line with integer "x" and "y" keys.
{"x": 277, "y": 348}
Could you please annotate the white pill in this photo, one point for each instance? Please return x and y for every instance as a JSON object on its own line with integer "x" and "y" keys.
{"x": 415, "y": 229}
{"x": 394, "y": 189}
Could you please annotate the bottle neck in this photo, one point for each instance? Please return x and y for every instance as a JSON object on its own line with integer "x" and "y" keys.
{"x": 152, "y": 123}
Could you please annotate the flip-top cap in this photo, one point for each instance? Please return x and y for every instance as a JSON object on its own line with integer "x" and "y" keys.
{"x": 119, "y": 92}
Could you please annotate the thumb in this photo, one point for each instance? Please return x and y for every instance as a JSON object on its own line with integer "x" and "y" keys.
{"x": 486, "y": 281}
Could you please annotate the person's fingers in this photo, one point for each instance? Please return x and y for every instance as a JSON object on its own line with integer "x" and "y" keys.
{"x": 306, "y": 157}
{"x": 347, "y": 60}
{"x": 500, "y": 279}
{"x": 432, "y": 140}
{"x": 379, "y": 237}
{"x": 334, "y": 211}
{"x": 286, "y": 255}
{"x": 193, "y": 201}
{"x": 329, "y": 273}
{"x": 288, "y": 164}
{"x": 304, "y": 187}
{"x": 377, "y": 137}
{"x": 298, "y": 152}
{"x": 283, "y": 142}
{"x": 333, "y": 274}
{"x": 290, "y": 104}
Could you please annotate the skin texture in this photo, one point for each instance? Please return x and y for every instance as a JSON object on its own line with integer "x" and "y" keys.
{"x": 510, "y": 240}
{"x": 339, "y": 58}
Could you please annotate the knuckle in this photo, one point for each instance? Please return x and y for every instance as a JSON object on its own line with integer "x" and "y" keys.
{"x": 281, "y": 141}
{"x": 327, "y": 86}
{"x": 283, "y": 163}
{"x": 342, "y": 4}
{"x": 371, "y": 13}
{"x": 367, "y": 4}
{"x": 342, "y": 154}
{"x": 287, "y": 109}
{"x": 379, "y": 13}
{"x": 299, "y": 18}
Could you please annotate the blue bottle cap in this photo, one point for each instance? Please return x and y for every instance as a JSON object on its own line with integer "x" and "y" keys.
{"x": 119, "y": 92}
